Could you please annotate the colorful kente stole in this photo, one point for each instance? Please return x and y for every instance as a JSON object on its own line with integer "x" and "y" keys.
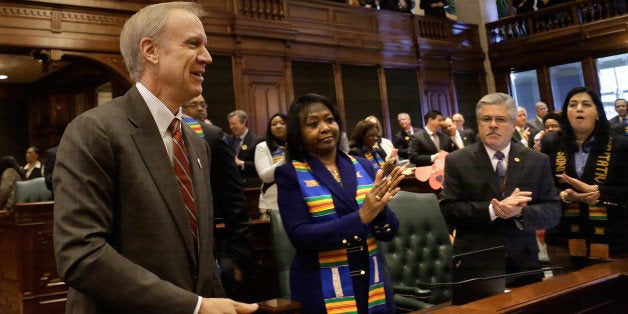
{"x": 588, "y": 227}
{"x": 194, "y": 125}
{"x": 375, "y": 159}
{"x": 334, "y": 265}
{"x": 277, "y": 154}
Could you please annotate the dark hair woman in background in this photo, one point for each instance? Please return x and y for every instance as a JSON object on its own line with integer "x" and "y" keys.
{"x": 11, "y": 173}
{"x": 269, "y": 155}
{"x": 333, "y": 208}
{"x": 592, "y": 177}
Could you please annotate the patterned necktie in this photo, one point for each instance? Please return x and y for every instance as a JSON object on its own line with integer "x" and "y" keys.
{"x": 436, "y": 141}
{"x": 500, "y": 169}
{"x": 182, "y": 170}
{"x": 237, "y": 144}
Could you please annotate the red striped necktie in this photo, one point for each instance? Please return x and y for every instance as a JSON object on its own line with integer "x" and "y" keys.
{"x": 182, "y": 170}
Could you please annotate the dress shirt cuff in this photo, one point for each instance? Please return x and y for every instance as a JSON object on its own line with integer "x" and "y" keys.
{"x": 198, "y": 305}
{"x": 491, "y": 212}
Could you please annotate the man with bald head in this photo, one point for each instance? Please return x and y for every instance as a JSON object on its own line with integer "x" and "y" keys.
{"x": 536, "y": 125}
{"x": 133, "y": 229}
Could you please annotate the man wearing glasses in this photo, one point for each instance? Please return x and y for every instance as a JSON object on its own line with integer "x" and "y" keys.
{"x": 499, "y": 193}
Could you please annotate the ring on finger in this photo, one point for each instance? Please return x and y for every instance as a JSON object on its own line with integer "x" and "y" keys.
{"x": 378, "y": 198}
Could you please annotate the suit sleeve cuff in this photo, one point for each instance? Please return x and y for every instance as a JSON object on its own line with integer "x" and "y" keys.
{"x": 198, "y": 305}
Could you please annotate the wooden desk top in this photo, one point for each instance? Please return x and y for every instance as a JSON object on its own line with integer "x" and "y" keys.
{"x": 599, "y": 287}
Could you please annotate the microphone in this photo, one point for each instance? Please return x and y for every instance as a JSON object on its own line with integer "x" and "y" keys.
{"x": 428, "y": 285}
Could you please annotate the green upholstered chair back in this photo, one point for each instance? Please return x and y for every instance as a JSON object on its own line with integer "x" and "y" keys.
{"x": 284, "y": 254}
{"x": 33, "y": 190}
{"x": 421, "y": 251}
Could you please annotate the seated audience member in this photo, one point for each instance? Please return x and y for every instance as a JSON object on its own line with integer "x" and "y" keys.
{"x": 591, "y": 173}
{"x": 364, "y": 144}
{"x": 11, "y": 173}
{"x": 269, "y": 155}
{"x": 334, "y": 205}
{"x": 425, "y": 146}
{"x": 522, "y": 133}
{"x": 496, "y": 192}
{"x": 401, "y": 139}
{"x": 243, "y": 143}
{"x": 33, "y": 165}
{"x": 383, "y": 142}
{"x": 468, "y": 135}
{"x": 228, "y": 198}
{"x": 551, "y": 123}
{"x": 434, "y": 7}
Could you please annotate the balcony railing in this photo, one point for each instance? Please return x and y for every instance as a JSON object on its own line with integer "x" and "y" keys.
{"x": 573, "y": 13}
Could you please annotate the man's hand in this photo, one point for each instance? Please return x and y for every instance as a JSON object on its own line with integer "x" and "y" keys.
{"x": 225, "y": 306}
{"x": 512, "y": 205}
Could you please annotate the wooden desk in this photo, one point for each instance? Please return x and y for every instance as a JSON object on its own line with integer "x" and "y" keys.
{"x": 601, "y": 288}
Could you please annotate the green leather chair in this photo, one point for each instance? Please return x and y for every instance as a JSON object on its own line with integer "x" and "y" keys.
{"x": 420, "y": 253}
{"x": 284, "y": 253}
{"x": 30, "y": 191}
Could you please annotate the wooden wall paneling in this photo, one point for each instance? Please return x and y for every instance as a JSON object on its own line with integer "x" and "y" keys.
{"x": 589, "y": 70}
{"x": 402, "y": 88}
{"x": 219, "y": 89}
{"x": 385, "y": 117}
{"x": 468, "y": 89}
{"x": 362, "y": 95}
{"x": 289, "y": 83}
{"x": 545, "y": 88}
{"x": 340, "y": 96}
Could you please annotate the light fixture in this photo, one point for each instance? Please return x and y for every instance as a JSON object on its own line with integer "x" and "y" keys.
{"x": 3, "y": 77}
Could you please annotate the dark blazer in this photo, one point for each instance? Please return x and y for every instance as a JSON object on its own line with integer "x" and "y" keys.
{"x": 49, "y": 166}
{"x": 309, "y": 239}
{"x": 36, "y": 173}
{"x": 247, "y": 154}
{"x": 425, "y": 5}
{"x": 421, "y": 147}
{"x": 401, "y": 140}
{"x": 535, "y": 125}
{"x": 468, "y": 137}
{"x": 614, "y": 120}
{"x": 614, "y": 190}
{"x": 516, "y": 137}
{"x": 122, "y": 237}
{"x": 469, "y": 185}
{"x": 229, "y": 197}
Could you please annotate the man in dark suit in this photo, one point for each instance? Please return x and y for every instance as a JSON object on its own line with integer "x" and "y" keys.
{"x": 622, "y": 112}
{"x": 401, "y": 139}
{"x": 49, "y": 165}
{"x": 133, "y": 212}
{"x": 229, "y": 198}
{"x": 468, "y": 135}
{"x": 536, "y": 124}
{"x": 523, "y": 134}
{"x": 499, "y": 193}
{"x": 243, "y": 143}
{"x": 425, "y": 145}
{"x": 433, "y": 7}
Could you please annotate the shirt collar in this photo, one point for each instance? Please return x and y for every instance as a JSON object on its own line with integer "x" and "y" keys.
{"x": 492, "y": 152}
{"x": 161, "y": 114}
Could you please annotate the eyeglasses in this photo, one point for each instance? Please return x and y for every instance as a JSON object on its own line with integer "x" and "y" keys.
{"x": 486, "y": 120}
{"x": 196, "y": 105}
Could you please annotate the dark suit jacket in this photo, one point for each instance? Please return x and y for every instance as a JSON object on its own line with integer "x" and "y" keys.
{"x": 468, "y": 136}
{"x": 310, "y": 238}
{"x": 229, "y": 197}
{"x": 401, "y": 140}
{"x": 122, "y": 237}
{"x": 36, "y": 173}
{"x": 614, "y": 120}
{"x": 535, "y": 125}
{"x": 429, "y": 11}
{"x": 247, "y": 154}
{"x": 49, "y": 165}
{"x": 421, "y": 147}
{"x": 469, "y": 185}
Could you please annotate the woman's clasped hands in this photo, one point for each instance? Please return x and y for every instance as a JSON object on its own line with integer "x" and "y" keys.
{"x": 384, "y": 189}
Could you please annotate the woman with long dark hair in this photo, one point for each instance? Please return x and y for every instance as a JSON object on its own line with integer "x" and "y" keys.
{"x": 363, "y": 143}
{"x": 333, "y": 208}
{"x": 11, "y": 173}
{"x": 269, "y": 155}
{"x": 592, "y": 177}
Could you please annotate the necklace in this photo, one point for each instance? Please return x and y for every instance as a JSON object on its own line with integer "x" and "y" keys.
{"x": 336, "y": 175}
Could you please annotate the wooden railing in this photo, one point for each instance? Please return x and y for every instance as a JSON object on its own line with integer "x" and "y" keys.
{"x": 570, "y": 14}
{"x": 263, "y": 9}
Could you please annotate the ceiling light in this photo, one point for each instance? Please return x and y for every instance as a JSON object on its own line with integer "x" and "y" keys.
{"x": 3, "y": 77}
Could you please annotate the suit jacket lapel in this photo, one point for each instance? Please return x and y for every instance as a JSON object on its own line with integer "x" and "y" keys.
{"x": 483, "y": 161}
{"x": 428, "y": 139}
{"x": 151, "y": 148}
{"x": 515, "y": 167}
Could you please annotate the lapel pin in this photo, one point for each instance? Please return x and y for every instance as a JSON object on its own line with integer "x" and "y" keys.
{"x": 517, "y": 159}
{"x": 199, "y": 162}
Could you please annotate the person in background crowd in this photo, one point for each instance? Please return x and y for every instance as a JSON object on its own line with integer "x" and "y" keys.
{"x": 269, "y": 155}
{"x": 401, "y": 139}
{"x": 133, "y": 217}
{"x": 332, "y": 203}
{"x": 383, "y": 142}
{"x": 33, "y": 165}
{"x": 228, "y": 199}
{"x": 551, "y": 123}
{"x": 49, "y": 165}
{"x": 364, "y": 144}
{"x": 449, "y": 128}
{"x": 622, "y": 112}
{"x": 11, "y": 173}
{"x": 243, "y": 142}
{"x": 468, "y": 135}
{"x": 523, "y": 6}
{"x": 591, "y": 173}
{"x": 434, "y": 7}
{"x": 426, "y": 145}
{"x": 497, "y": 192}
{"x": 522, "y": 132}
{"x": 536, "y": 124}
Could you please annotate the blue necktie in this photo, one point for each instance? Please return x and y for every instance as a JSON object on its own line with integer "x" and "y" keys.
{"x": 500, "y": 169}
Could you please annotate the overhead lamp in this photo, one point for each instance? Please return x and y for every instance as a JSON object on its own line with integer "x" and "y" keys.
{"x": 3, "y": 77}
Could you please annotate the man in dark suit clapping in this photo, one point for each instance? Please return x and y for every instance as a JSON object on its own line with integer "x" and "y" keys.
{"x": 425, "y": 146}
{"x": 243, "y": 143}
